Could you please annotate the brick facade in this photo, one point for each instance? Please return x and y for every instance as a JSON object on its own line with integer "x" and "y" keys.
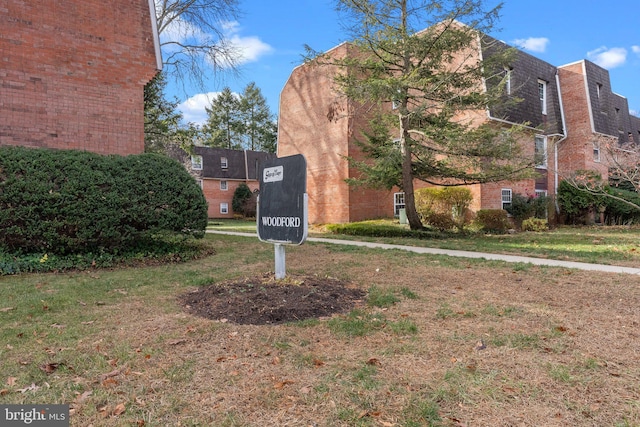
{"x": 319, "y": 124}
{"x": 221, "y": 172}
{"x": 72, "y": 73}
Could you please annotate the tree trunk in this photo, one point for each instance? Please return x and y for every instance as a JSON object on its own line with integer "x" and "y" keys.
{"x": 409, "y": 199}
{"x": 407, "y": 179}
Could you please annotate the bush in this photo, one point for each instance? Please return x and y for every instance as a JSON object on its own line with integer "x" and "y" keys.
{"x": 452, "y": 202}
{"x": 242, "y": 201}
{"x": 493, "y": 220}
{"x": 64, "y": 201}
{"x": 534, "y": 224}
{"x": 440, "y": 221}
{"x": 524, "y": 207}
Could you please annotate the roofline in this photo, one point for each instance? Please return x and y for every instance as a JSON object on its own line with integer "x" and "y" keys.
{"x": 156, "y": 36}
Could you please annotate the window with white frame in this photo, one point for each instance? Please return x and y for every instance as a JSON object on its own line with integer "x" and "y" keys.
{"x": 224, "y": 208}
{"x": 224, "y": 162}
{"x": 508, "y": 73}
{"x": 542, "y": 94}
{"x": 596, "y": 152}
{"x": 506, "y": 197}
{"x": 224, "y": 186}
{"x": 398, "y": 203}
{"x": 196, "y": 162}
{"x": 540, "y": 151}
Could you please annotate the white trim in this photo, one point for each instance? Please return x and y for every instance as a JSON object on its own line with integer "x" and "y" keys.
{"x": 502, "y": 194}
{"x": 156, "y": 35}
{"x": 545, "y": 98}
{"x": 224, "y": 208}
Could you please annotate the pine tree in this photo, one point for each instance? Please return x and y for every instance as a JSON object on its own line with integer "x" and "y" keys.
{"x": 259, "y": 125}
{"x": 425, "y": 84}
{"x": 224, "y": 126}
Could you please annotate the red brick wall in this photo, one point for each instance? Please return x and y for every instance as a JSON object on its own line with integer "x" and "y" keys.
{"x": 215, "y": 196}
{"x": 307, "y": 103}
{"x": 576, "y": 152}
{"x": 72, "y": 74}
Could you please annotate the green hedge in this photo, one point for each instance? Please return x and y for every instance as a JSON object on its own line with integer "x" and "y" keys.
{"x": 62, "y": 201}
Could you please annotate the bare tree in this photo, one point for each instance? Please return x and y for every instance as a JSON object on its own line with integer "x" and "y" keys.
{"x": 193, "y": 40}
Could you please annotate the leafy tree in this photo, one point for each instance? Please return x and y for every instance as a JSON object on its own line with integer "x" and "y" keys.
{"x": 161, "y": 120}
{"x": 260, "y": 130}
{"x": 224, "y": 126}
{"x": 426, "y": 86}
{"x": 240, "y": 122}
{"x": 192, "y": 37}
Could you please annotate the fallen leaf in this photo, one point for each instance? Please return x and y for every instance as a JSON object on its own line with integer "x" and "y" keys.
{"x": 55, "y": 325}
{"x": 113, "y": 373}
{"x": 49, "y": 367}
{"x": 6, "y": 309}
{"x": 317, "y": 363}
{"x": 176, "y": 342}
{"x": 81, "y": 398}
{"x": 281, "y": 384}
{"x": 373, "y": 362}
{"x": 89, "y": 322}
{"x": 4, "y": 392}
{"x": 109, "y": 382}
{"x": 11, "y": 381}
{"x": 32, "y": 387}
{"x": 119, "y": 409}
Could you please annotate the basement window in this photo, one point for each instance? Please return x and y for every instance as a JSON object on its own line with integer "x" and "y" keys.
{"x": 506, "y": 197}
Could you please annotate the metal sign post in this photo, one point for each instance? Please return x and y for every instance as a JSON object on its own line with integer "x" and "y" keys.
{"x": 282, "y": 217}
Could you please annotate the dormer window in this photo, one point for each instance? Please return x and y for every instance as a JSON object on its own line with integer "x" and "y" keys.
{"x": 542, "y": 94}
{"x": 196, "y": 163}
{"x": 508, "y": 75}
{"x": 224, "y": 163}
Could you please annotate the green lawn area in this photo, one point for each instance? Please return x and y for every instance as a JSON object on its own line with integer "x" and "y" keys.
{"x": 595, "y": 244}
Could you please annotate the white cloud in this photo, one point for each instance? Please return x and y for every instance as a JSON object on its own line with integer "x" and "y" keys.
{"x": 533, "y": 44}
{"x": 635, "y": 113}
{"x": 636, "y": 49}
{"x": 608, "y": 58}
{"x": 193, "y": 110}
{"x": 249, "y": 48}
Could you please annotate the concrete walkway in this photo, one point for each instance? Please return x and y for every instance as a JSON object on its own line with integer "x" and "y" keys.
{"x": 464, "y": 254}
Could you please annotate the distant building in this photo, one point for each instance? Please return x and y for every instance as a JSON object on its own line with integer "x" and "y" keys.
{"x": 72, "y": 73}
{"x": 220, "y": 171}
{"x": 570, "y": 110}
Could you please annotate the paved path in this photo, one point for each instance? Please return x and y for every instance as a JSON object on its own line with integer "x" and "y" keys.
{"x": 464, "y": 254}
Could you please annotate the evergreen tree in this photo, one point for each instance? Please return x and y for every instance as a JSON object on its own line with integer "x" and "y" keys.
{"x": 425, "y": 84}
{"x": 240, "y": 122}
{"x": 259, "y": 126}
{"x": 224, "y": 126}
{"x": 162, "y": 126}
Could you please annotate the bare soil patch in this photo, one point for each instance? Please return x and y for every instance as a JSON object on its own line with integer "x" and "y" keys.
{"x": 264, "y": 300}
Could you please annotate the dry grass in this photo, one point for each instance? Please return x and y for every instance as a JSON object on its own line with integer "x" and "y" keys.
{"x": 467, "y": 343}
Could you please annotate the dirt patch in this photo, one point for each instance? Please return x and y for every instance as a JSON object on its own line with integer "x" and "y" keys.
{"x": 264, "y": 300}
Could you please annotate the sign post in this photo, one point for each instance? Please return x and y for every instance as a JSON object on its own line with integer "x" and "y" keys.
{"x": 282, "y": 206}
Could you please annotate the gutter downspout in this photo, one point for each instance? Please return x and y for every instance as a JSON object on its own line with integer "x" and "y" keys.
{"x": 246, "y": 168}
{"x": 556, "y": 144}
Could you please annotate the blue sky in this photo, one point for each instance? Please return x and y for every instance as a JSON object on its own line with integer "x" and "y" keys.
{"x": 272, "y": 35}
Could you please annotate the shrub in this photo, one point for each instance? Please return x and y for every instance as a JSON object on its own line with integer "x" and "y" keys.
{"x": 440, "y": 221}
{"x": 493, "y": 220}
{"x": 452, "y": 202}
{"x": 534, "y": 224}
{"x": 67, "y": 201}
{"x": 241, "y": 202}
{"x": 523, "y": 207}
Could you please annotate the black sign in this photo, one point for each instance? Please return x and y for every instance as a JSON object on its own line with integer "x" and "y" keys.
{"x": 282, "y": 205}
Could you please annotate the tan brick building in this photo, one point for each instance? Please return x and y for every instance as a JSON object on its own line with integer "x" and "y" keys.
{"x": 72, "y": 73}
{"x": 558, "y": 103}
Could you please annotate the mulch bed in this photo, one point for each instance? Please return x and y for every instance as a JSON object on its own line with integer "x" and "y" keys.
{"x": 263, "y": 300}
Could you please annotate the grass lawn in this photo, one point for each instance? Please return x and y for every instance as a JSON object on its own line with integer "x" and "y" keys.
{"x": 599, "y": 245}
{"x": 439, "y": 342}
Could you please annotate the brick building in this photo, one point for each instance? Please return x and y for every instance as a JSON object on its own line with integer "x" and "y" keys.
{"x": 72, "y": 73}
{"x": 558, "y": 105}
{"x": 220, "y": 171}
